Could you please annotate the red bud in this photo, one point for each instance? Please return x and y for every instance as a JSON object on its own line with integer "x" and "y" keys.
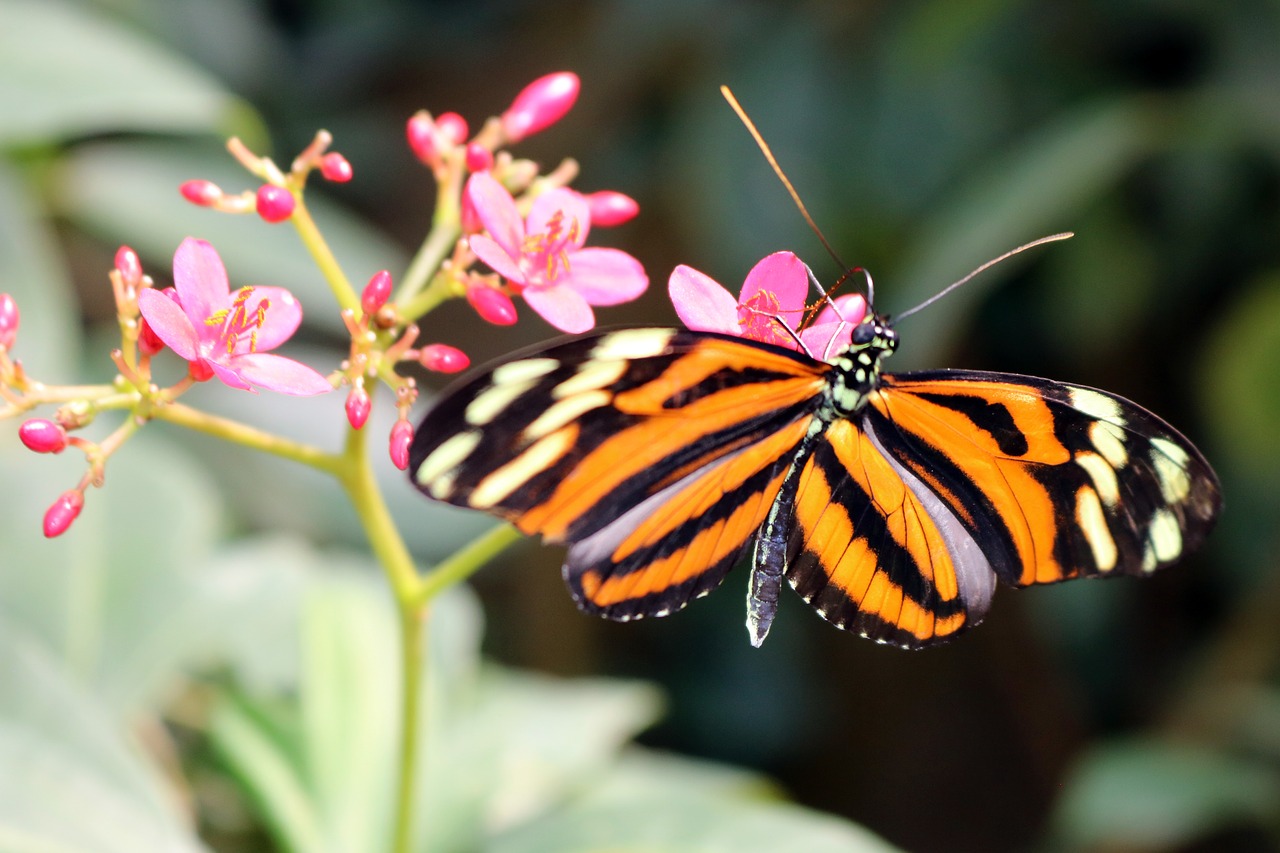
{"x": 275, "y": 204}
{"x": 401, "y": 438}
{"x": 335, "y": 168}
{"x": 43, "y": 436}
{"x": 609, "y": 208}
{"x": 376, "y": 293}
{"x": 492, "y": 304}
{"x": 64, "y": 511}
{"x": 201, "y": 192}
{"x": 358, "y": 406}
{"x": 443, "y": 358}
{"x": 9, "y": 318}
{"x": 540, "y": 104}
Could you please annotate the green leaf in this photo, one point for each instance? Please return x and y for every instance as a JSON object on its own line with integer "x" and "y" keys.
{"x": 1153, "y": 796}
{"x": 31, "y": 270}
{"x": 1024, "y": 194}
{"x": 656, "y": 803}
{"x": 128, "y": 193}
{"x": 116, "y": 596}
{"x": 68, "y": 779}
{"x": 68, "y": 70}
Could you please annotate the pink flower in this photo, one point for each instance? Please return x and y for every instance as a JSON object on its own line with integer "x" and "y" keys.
{"x": 775, "y": 289}
{"x": 542, "y": 257}
{"x": 228, "y": 334}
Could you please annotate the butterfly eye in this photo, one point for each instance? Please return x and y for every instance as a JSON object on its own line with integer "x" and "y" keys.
{"x": 864, "y": 333}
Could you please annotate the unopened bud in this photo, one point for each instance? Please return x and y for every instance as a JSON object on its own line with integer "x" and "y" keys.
{"x": 443, "y": 358}
{"x": 64, "y": 511}
{"x": 9, "y": 318}
{"x": 200, "y": 370}
{"x": 492, "y": 304}
{"x": 420, "y": 132}
{"x": 201, "y": 192}
{"x": 453, "y": 128}
{"x": 275, "y": 204}
{"x": 376, "y": 293}
{"x": 43, "y": 436}
{"x": 129, "y": 267}
{"x": 401, "y": 438}
{"x": 358, "y": 406}
{"x": 540, "y": 104}
{"x": 335, "y": 168}
{"x": 479, "y": 158}
{"x": 609, "y": 208}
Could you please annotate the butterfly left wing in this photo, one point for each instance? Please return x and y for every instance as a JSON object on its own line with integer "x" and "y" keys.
{"x": 655, "y": 454}
{"x": 953, "y": 478}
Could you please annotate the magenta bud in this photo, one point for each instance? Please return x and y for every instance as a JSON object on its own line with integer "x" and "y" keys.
{"x": 64, "y": 511}
{"x": 492, "y": 304}
{"x": 9, "y": 318}
{"x": 609, "y": 208}
{"x": 540, "y": 104}
{"x": 420, "y": 131}
{"x": 443, "y": 358}
{"x": 376, "y": 293}
{"x": 201, "y": 192}
{"x": 335, "y": 168}
{"x": 358, "y": 405}
{"x": 401, "y": 438}
{"x": 453, "y": 128}
{"x": 129, "y": 267}
{"x": 275, "y": 204}
{"x": 200, "y": 370}
{"x": 479, "y": 158}
{"x": 43, "y": 436}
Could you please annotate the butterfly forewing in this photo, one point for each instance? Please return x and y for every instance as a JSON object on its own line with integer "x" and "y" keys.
{"x": 654, "y": 453}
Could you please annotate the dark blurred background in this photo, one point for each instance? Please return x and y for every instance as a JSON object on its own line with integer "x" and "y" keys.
{"x": 925, "y": 137}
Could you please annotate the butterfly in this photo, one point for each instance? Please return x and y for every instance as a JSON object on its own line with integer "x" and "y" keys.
{"x": 891, "y": 502}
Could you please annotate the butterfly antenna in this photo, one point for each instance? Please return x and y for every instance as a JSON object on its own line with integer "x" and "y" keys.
{"x": 1052, "y": 238}
{"x": 768, "y": 155}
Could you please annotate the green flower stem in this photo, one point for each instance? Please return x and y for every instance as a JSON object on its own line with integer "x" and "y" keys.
{"x": 323, "y": 255}
{"x": 413, "y": 620}
{"x": 248, "y": 436}
{"x": 438, "y": 291}
{"x": 446, "y": 227}
{"x": 465, "y": 562}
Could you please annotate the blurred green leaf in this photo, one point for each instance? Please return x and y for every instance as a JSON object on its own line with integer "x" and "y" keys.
{"x": 1025, "y": 193}
{"x": 128, "y": 193}
{"x": 68, "y": 780}
{"x": 116, "y": 597}
{"x": 656, "y": 803}
{"x": 32, "y": 271}
{"x": 66, "y": 69}
{"x": 1153, "y": 795}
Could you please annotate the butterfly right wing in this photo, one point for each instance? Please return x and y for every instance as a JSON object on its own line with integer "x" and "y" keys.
{"x": 654, "y": 453}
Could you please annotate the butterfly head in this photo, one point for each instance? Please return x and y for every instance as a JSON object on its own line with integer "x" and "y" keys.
{"x": 857, "y": 369}
{"x": 875, "y": 336}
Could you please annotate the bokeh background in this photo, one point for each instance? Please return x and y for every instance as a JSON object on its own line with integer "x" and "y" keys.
{"x": 925, "y": 137}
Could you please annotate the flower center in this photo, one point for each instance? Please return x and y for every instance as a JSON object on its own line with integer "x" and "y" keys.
{"x": 758, "y": 318}
{"x": 239, "y": 322}
{"x": 548, "y": 252}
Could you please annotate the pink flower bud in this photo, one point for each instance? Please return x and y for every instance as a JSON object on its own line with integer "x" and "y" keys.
{"x": 8, "y": 321}
{"x": 609, "y": 208}
{"x": 401, "y": 438}
{"x": 376, "y": 293}
{"x": 201, "y": 192}
{"x": 358, "y": 405}
{"x": 492, "y": 304}
{"x": 420, "y": 131}
{"x": 335, "y": 168}
{"x": 64, "y": 511}
{"x": 540, "y": 104}
{"x": 453, "y": 128}
{"x": 43, "y": 436}
{"x": 470, "y": 220}
{"x": 443, "y": 358}
{"x": 129, "y": 266}
{"x": 479, "y": 158}
{"x": 275, "y": 204}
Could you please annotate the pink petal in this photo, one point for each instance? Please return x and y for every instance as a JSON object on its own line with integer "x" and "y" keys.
{"x": 488, "y": 250}
{"x": 281, "y": 319}
{"x": 574, "y": 208}
{"x": 229, "y": 375}
{"x": 830, "y": 335}
{"x": 562, "y": 307}
{"x": 497, "y": 211}
{"x": 170, "y": 323}
{"x": 606, "y": 276}
{"x": 852, "y": 309}
{"x": 782, "y": 282}
{"x": 280, "y": 374}
{"x": 201, "y": 281}
{"x": 701, "y": 303}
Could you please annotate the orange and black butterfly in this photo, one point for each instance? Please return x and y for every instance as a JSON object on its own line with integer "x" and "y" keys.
{"x": 891, "y": 502}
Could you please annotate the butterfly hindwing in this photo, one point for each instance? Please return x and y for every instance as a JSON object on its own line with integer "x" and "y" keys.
{"x": 653, "y": 453}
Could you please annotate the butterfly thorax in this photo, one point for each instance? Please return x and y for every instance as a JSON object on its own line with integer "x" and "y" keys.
{"x": 856, "y": 371}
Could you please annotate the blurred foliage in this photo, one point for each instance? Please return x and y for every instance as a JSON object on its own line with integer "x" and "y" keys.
{"x": 163, "y": 641}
